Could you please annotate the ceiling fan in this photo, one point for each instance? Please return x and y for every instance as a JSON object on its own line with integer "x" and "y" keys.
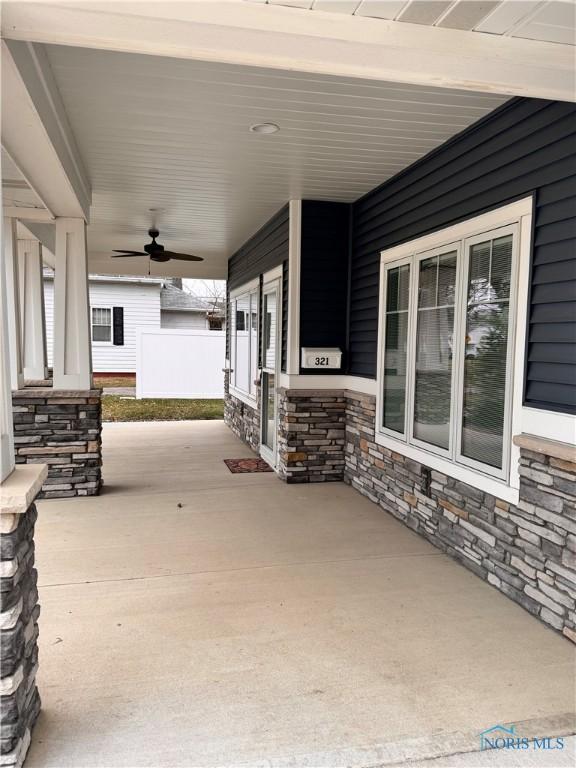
{"x": 157, "y": 252}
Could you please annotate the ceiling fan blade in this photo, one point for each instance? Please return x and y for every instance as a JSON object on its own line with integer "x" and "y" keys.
{"x": 131, "y": 253}
{"x": 182, "y": 256}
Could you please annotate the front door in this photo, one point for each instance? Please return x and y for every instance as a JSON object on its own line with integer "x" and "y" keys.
{"x": 271, "y": 325}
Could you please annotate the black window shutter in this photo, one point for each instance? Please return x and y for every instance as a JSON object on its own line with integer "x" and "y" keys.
{"x": 118, "y": 326}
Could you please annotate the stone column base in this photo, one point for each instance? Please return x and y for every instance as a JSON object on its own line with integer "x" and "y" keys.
{"x": 19, "y": 611}
{"x": 63, "y": 430}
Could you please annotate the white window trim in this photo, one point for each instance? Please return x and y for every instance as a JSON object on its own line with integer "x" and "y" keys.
{"x": 102, "y": 343}
{"x": 519, "y": 213}
{"x": 551, "y": 425}
{"x": 294, "y": 264}
{"x": 246, "y": 288}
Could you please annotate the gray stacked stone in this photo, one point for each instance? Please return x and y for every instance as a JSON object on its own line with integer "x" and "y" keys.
{"x": 242, "y": 419}
{"x": 311, "y": 435}
{"x": 63, "y": 430}
{"x": 19, "y": 610}
{"x": 527, "y": 551}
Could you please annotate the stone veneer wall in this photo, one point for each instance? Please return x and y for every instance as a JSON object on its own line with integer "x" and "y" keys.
{"x": 311, "y": 435}
{"x": 19, "y": 611}
{"x": 62, "y": 429}
{"x": 527, "y": 551}
{"x": 242, "y": 419}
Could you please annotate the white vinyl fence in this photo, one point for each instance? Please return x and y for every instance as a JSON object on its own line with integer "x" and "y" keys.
{"x": 174, "y": 363}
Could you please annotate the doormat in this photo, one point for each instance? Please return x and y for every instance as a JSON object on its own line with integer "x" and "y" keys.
{"x": 247, "y": 465}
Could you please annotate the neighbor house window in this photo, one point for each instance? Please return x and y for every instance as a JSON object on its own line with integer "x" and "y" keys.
{"x": 446, "y": 331}
{"x": 215, "y": 323}
{"x": 102, "y": 324}
{"x": 244, "y": 340}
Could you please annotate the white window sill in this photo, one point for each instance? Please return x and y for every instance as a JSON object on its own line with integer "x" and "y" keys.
{"x": 239, "y": 395}
{"x": 498, "y": 488}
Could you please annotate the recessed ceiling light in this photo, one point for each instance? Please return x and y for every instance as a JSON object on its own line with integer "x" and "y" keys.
{"x": 265, "y": 128}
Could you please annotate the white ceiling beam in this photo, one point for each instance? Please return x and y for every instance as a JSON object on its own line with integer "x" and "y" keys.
{"x": 27, "y": 214}
{"x": 45, "y": 233}
{"x": 37, "y": 136}
{"x": 286, "y": 38}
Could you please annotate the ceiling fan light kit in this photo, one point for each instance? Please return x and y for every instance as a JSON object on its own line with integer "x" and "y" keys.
{"x": 156, "y": 252}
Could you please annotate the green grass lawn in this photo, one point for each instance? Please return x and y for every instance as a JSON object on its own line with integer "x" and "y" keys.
{"x": 114, "y": 381}
{"x": 116, "y": 408}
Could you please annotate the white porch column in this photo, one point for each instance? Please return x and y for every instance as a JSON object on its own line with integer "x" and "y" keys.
{"x": 294, "y": 244}
{"x": 13, "y": 303}
{"x": 72, "y": 352}
{"x": 32, "y": 310}
{"x": 6, "y": 425}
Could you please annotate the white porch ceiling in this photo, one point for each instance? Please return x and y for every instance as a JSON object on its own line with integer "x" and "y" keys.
{"x": 173, "y": 134}
{"x": 551, "y": 21}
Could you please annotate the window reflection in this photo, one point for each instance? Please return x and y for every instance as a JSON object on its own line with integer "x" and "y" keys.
{"x": 396, "y": 341}
{"x": 486, "y": 350}
{"x": 434, "y": 349}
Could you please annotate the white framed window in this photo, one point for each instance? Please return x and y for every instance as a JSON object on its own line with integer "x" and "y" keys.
{"x": 102, "y": 325}
{"x": 244, "y": 328}
{"x": 450, "y": 346}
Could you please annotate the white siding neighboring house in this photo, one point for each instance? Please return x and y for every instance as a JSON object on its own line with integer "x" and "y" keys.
{"x": 120, "y": 305}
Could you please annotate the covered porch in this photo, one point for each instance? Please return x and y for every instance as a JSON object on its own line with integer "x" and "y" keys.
{"x": 263, "y": 623}
{"x": 193, "y": 617}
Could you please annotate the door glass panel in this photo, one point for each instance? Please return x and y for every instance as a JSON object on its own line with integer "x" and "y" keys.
{"x": 242, "y": 340}
{"x": 488, "y": 294}
{"x": 396, "y": 345}
{"x": 269, "y": 341}
{"x": 434, "y": 349}
{"x": 269, "y": 362}
{"x": 253, "y": 324}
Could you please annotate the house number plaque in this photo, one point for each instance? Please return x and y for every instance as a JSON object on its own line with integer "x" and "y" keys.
{"x": 321, "y": 357}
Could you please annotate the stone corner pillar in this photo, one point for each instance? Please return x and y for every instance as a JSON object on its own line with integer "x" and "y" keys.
{"x": 547, "y": 505}
{"x": 311, "y": 435}
{"x": 62, "y": 428}
{"x": 19, "y": 611}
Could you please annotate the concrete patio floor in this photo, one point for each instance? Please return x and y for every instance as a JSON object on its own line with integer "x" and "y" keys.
{"x": 192, "y": 617}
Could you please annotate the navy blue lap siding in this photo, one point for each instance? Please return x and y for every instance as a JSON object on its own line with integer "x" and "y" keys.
{"x": 526, "y": 147}
{"x": 324, "y": 254}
